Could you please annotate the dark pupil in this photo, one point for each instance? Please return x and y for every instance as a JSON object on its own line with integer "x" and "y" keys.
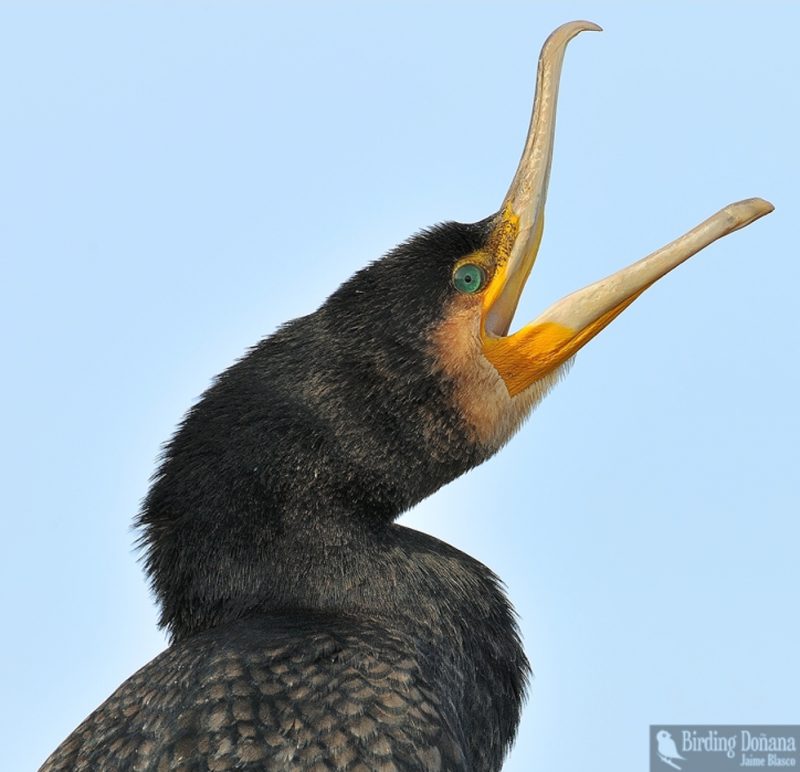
{"x": 468, "y": 278}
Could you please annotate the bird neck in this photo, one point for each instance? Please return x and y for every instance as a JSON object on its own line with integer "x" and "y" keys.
{"x": 280, "y": 488}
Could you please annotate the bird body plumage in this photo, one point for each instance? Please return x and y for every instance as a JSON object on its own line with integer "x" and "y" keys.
{"x": 301, "y": 692}
{"x": 310, "y": 631}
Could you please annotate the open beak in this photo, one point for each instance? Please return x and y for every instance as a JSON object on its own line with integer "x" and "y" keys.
{"x": 556, "y": 335}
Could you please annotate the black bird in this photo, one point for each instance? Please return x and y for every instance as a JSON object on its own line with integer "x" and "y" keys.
{"x": 309, "y": 632}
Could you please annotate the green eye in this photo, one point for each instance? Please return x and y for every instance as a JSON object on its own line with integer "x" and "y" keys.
{"x": 469, "y": 278}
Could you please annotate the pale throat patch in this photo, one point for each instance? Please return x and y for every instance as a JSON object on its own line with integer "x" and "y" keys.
{"x": 480, "y": 392}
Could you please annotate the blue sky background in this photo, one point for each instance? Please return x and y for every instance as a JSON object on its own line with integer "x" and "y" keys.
{"x": 177, "y": 179}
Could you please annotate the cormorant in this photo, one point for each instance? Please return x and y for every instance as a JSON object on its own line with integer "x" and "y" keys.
{"x": 310, "y": 632}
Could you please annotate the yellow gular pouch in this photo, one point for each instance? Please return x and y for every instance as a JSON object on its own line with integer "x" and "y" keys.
{"x": 540, "y": 348}
{"x": 529, "y": 354}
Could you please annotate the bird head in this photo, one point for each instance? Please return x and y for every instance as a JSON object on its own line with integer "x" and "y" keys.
{"x": 454, "y": 289}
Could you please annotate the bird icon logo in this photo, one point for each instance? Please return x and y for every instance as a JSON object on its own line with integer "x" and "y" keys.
{"x": 667, "y": 751}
